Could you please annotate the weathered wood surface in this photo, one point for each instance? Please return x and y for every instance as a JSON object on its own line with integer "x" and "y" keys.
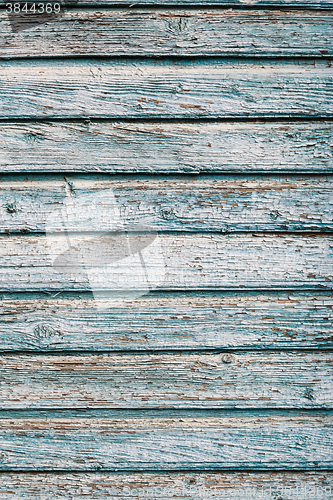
{"x": 166, "y": 147}
{"x": 308, "y": 4}
{"x": 165, "y": 89}
{"x": 206, "y": 203}
{"x": 172, "y": 262}
{"x": 115, "y": 441}
{"x": 171, "y": 32}
{"x": 156, "y": 381}
{"x": 167, "y": 321}
{"x": 182, "y": 486}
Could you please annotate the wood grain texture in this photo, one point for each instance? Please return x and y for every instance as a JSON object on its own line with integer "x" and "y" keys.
{"x": 206, "y": 203}
{"x": 183, "y": 486}
{"x": 136, "y": 32}
{"x": 167, "y": 321}
{"x": 156, "y": 381}
{"x": 310, "y": 4}
{"x": 166, "y": 147}
{"x": 207, "y": 440}
{"x": 172, "y": 262}
{"x": 165, "y": 89}
{"x": 106, "y": 440}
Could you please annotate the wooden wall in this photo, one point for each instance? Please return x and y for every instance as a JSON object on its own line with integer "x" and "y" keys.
{"x": 210, "y": 122}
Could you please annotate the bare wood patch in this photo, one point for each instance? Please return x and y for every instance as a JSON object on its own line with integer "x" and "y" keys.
{"x": 103, "y": 486}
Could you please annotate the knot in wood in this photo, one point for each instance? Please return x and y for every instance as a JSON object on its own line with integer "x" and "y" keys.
{"x": 167, "y": 213}
{"x": 227, "y": 359}
{"x": 309, "y": 394}
{"x": 43, "y": 332}
{"x": 275, "y": 214}
{"x": 11, "y": 208}
{"x": 178, "y": 25}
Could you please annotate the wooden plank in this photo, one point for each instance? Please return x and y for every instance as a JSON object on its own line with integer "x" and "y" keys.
{"x": 185, "y": 485}
{"x": 184, "y": 381}
{"x": 310, "y": 4}
{"x": 166, "y": 147}
{"x": 171, "y": 262}
{"x": 167, "y": 321}
{"x": 206, "y": 203}
{"x": 138, "y": 32}
{"x": 165, "y": 89}
{"x": 167, "y": 441}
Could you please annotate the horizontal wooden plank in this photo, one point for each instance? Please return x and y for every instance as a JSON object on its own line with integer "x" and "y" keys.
{"x": 166, "y": 147}
{"x": 165, "y": 441}
{"x": 185, "y": 485}
{"x": 167, "y": 321}
{"x": 169, "y": 262}
{"x": 173, "y": 32}
{"x": 165, "y": 89}
{"x": 238, "y": 380}
{"x": 310, "y": 4}
{"x": 206, "y": 203}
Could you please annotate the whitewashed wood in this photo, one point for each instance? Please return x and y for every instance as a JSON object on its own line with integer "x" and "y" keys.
{"x": 167, "y": 321}
{"x": 205, "y": 203}
{"x": 238, "y": 380}
{"x": 165, "y": 89}
{"x": 310, "y": 4}
{"x": 166, "y": 147}
{"x": 193, "y": 486}
{"x": 139, "y": 32}
{"x": 181, "y": 261}
{"x": 107, "y": 440}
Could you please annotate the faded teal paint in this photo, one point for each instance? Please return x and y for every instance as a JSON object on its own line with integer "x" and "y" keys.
{"x": 174, "y": 32}
{"x": 310, "y": 4}
{"x": 176, "y": 89}
{"x": 261, "y": 380}
{"x": 173, "y": 321}
{"x": 186, "y": 261}
{"x": 180, "y": 486}
{"x": 224, "y": 203}
{"x": 136, "y": 147}
{"x": 169, "y": 440}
